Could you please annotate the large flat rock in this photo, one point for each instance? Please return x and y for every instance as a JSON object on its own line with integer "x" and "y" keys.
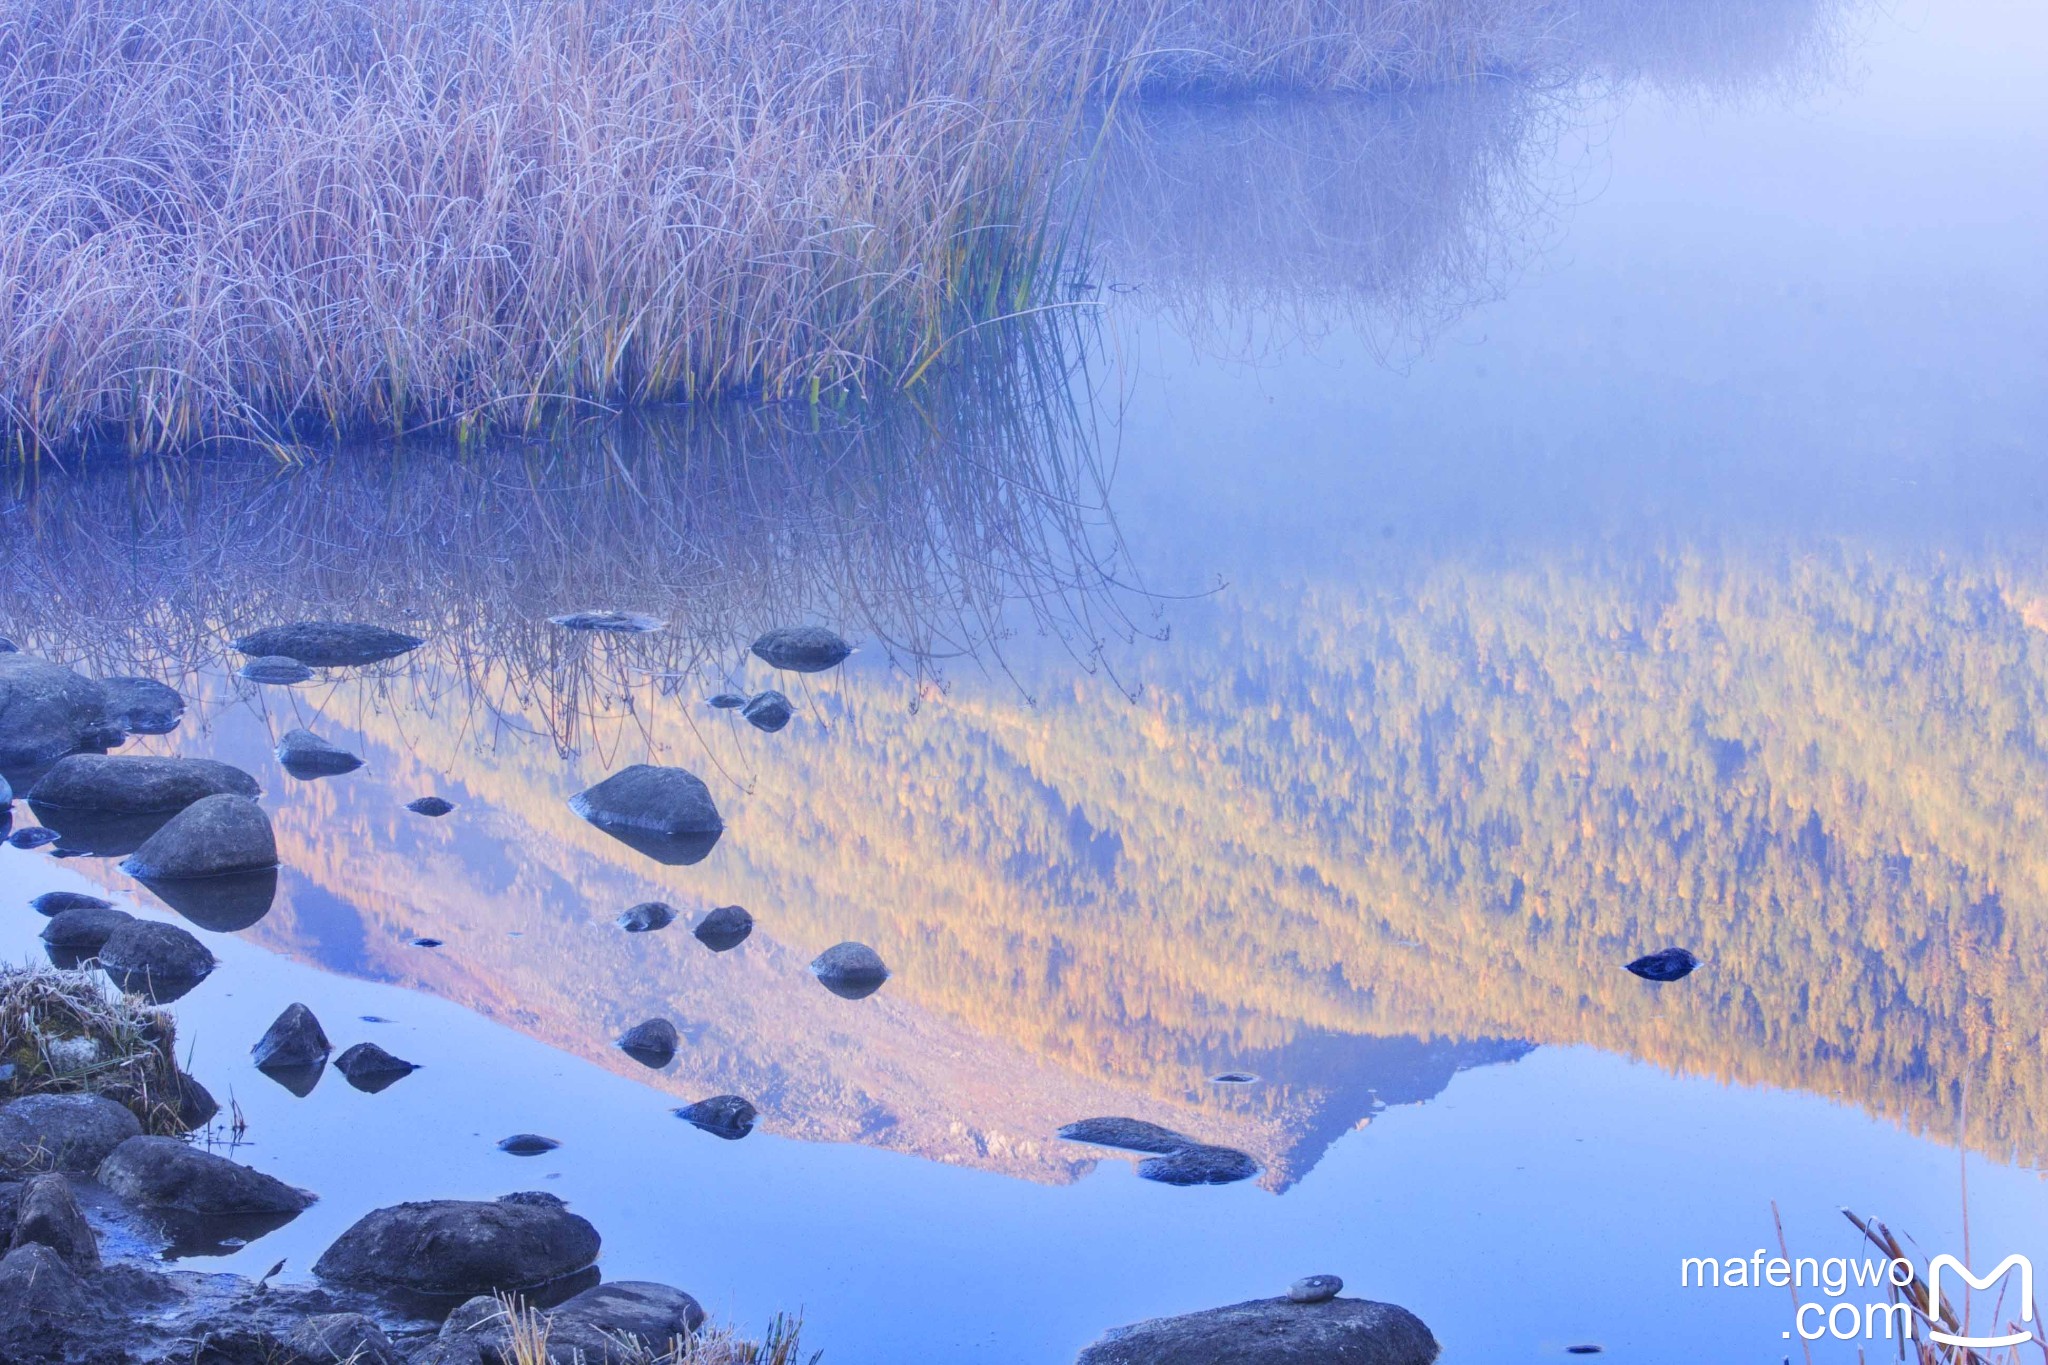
{"x": 1273, "y": 1332}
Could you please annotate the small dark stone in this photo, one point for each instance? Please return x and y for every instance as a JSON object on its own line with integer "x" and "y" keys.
{"x": 434, "y": 806}
{"x": 665, "y": 813}
{"x": 307, "y": 757}
{"x": 1235, "y": 1078}
{"x": 209, "y": 838}
{"x": 802, "y": 649}
{"x": 1199, "y": 1164}
{"x": 159, "y": 1172}
{"x": 83, "y": 931}
{"x": 609, "y": 622}
{"x": 275, "y": 670}
{"x": 48, "y": 1214}
{"x": 527, "y": 1144}
{"x": 725, "y": 928}
{"x": 54, "y": 903}
{"x": 1671, "y": 964}
{"x": 1587, "y": 1349}
{"x": 646, "y": 917}
{"x": 160, "y": 961}
{"x": 851, "y": 971}
{"x": 1315, "y": 1289}
{"x": 651, "y": 1043}
{"x": 726, "y": 1116}
{"x": 137, "y": 784}
{"x": 768, "y": 711}
{"x": 294, "y": 1038}
{"x": 328, "y": 644}
{"x": 370, "y": 1068}
{"x": 728, "y": 701}
{"x": 426, "y": 943}
{"x": 142, "y": 706}
{"x": 35, "y": 836}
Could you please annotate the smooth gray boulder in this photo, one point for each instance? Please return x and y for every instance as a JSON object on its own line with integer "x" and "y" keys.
{"x": 137, "y": 784}
{"x": 158, "y": 960}
{"x": 48, "y": 1214}
{"x": 210, "y": 838}
{"x": 666, "y": 813}
{"x": 461, "y": 1246}
{"x": 851, "y": 971}
{"x": 656, "y": 1314}
{"x": 768, "y": 711}
{"x": 725, "y": 928}
{"x": 651, "y": 1043}
{"x": 276, "y": 670}
{"x": 142, "y": 706}
{"x": 801, "y": 649}
{"x": 166, "y": 1173}
{"x": 306, "y": 756}
{"x": 62, "y": 1132}
{"x": 84, "y": 930}
{"x": 342, "y": 1339}
{"x": 46, "y": 711}
{"x": 294, "y": 1038}
{"x": 328, "y": 644}
{"x": 1273, "y": 1332}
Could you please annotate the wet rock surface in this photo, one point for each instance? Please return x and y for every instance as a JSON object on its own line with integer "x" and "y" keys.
{"x": 1273, "y": 1332}
{"x": 665, "y": 813}
{"x": 727, "y": 1116}
{"x": 167, "y": 1173}
{"x": 851, "y": 971}
{"x": 370, "y": 1068}
{"x": 328, "y": 644}
{"x": 725, "y": 928}
{"x": 137, "y": 784}
{"x": 84, "y": 930}
{"x": 342, "y": 1339}
{"x": 275, "y": 670}
{"x": 46, "y": 711}
{"x": 651, "y": 1043}
{"x": 158, "y": 960}
{"x": 646, "y": 917}
{"x": 55, "y": 903}
{"x": 294, "y": 1039}
{"x": 802, "y": 649}
{"x": 768, "y": 711}
{"x": 142, "y": 706}
{"x": 47, "y": 1213}
{"x": 210, "y": 838}
{"x": 306, "y": 756}
{"x": 62, "y": 1132}
{"x": 460, "y": 1247}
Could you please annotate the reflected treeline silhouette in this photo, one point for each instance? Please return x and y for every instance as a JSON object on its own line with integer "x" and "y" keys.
{"x": 931, "y": 532}
{"x": 1253, "y": 224}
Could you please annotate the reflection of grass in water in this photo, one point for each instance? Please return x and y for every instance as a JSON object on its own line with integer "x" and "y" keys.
{"x": 931, "y": 531}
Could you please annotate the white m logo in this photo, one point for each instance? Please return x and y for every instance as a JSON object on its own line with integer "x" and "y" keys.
{"x": 1934, "y": 1269}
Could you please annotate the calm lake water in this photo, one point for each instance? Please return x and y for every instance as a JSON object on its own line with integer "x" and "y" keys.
{"x": 1483, "y": 536}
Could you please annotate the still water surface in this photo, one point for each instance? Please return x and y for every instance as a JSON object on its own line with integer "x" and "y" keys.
{"x": 1491, "y": 535}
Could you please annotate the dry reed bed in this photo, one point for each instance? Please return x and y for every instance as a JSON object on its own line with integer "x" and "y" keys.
{"x": 66, "y": 1032}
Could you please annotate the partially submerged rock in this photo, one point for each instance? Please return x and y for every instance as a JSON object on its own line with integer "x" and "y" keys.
{"x": 210, "y": 838}
{"x": 768, "y": 711}
{"x": 196, "y": 1104}
{"x": 851, "y": 971}
{"x": 62, "y": 1132}
{"x": 137, "y": 784}
{"x": 725, "y": 928}
{"x": 802, "y": 649}
{"x": 1177, "y": 1159}
{"x": 370, "y": 1068}
{"x": 527, "y": 1144}
{"x": 328, "y": 644}
{"x": 160, "y": 961}
{"x": 460, "y": 1247}
{"x": 609, "y": 622}
{"x": 651, "y": 1043}
{"x": 275, "y": 670}
{"x": 46, "y": 711}
{"x": 1670, "y": 964}
{"x": 294, "y": 1038}
{"x": 1130, "y": 1135}
{"x": 307, "y": 757}
{"x": 142, "y": 706}
{"x": 646, "y": 917}
{"x": 727, "y": 701}
{"x": 434, "y": 807}
{"x": 48, "y": 1214}
{"x": 1273, "y": 1332}
{"x": 54, "y": 903}
{"x": 84, "y": 930}
{"x": 727, "y": 1116}
{"x": 665, "y": 813}
{"x": 167, "y": 1173}
{"x": 33, "y": 837}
